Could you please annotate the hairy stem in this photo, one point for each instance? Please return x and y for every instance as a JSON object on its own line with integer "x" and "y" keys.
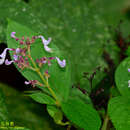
{"x": 42, "y": 78}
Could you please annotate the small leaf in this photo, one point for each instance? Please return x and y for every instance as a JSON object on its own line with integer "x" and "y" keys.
{"x": 122, "y": 76}
{"x": 42, "y": 98}
{"x": 81, "y": 114}
{"x": 119, "y": 112}
{"x": 76, "y": 93}
{"x": 55, "y": 113}
{"x": 3, "y": 108}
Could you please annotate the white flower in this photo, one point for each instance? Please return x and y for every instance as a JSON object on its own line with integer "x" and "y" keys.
{"x": 61, "y": 63}
{"x": 7, "y": 62}
{"x": 3, "y": 55}
{"x": 129, "y": 83}
{"x": 46, "y": 43}
{"x": 13, "y": 35}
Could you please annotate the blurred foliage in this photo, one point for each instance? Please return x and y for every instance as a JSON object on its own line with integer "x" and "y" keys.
{"x": 113, "y": 12}
{"x": 80, "y": 32}
{"x": 119, "y": 113}
{"x": 23, "y": 111}
{"x": 3, "y": 108}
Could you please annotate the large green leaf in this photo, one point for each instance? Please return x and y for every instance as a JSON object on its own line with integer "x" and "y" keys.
{"x": 79, "y": 31}
{"x": 119, "y": 112}
{"x": 122, "y": 76}
{"x": 81, "y": 114}
{"x": 25, "y": 112}
{"x": 76, "y": 29}
{"x": 59, "y": 77}
{"x": 77, "y": 94}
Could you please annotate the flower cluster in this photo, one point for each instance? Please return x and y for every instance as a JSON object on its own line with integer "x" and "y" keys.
{"x": 33, "y": 83}
{"x": 44, "y": 60}
{"x": 21, "y": 56}
{"x": 23, "y": 41}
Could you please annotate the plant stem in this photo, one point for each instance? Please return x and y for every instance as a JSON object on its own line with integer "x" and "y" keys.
{"x": 42, "y": 78}
{"x": 105, "y": 123}
{"x": 69, "y": 126}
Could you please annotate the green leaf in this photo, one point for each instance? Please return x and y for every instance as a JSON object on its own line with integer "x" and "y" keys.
{"x": 77, "y": 94}
{"x": 122, "y": 76}
{"x": 3, "y": 109}
{"x": 55, "y": 113}
{"x": 59, "y": 77}
{"x": 128, "y": 51}
{"x": 81, "y": 114}
{"x": 42, "y": 98}
{"x": 79, "y": 31}
{"x": 114, "y": 92}
{"x": 119, "y": 112}
{"x": 35, "y": 116}
{"x": 18, "y": 11}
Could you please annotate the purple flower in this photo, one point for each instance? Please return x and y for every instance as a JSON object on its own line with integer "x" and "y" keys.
{"x": 13, "y": 35}
{"x": 51, "y": 58}
{"x": 18, "y": 50}
{"x": 61, "y": 63}
{"x": 3, "y": 55}
{"x": 32, "y": 82}
{"x": 46, "y": 43}
{"x": 7, "y": 62}
{"x": 15, "y": 57}
{"x": 129, "y": 70}
{"x": 47, "y": 49}
{"x": 46, "y": 74}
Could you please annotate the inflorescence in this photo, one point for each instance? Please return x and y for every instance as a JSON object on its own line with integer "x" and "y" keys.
{"x": 22, "y": 55}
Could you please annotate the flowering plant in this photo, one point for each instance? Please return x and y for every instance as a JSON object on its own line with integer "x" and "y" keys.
{"x": 43, "y": 65}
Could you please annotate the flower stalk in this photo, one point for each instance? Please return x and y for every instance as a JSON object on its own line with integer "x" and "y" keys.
{"x": 42, "y": 78}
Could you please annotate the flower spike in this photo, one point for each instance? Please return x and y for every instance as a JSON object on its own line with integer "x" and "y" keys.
{"x": 61, "y": 63}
